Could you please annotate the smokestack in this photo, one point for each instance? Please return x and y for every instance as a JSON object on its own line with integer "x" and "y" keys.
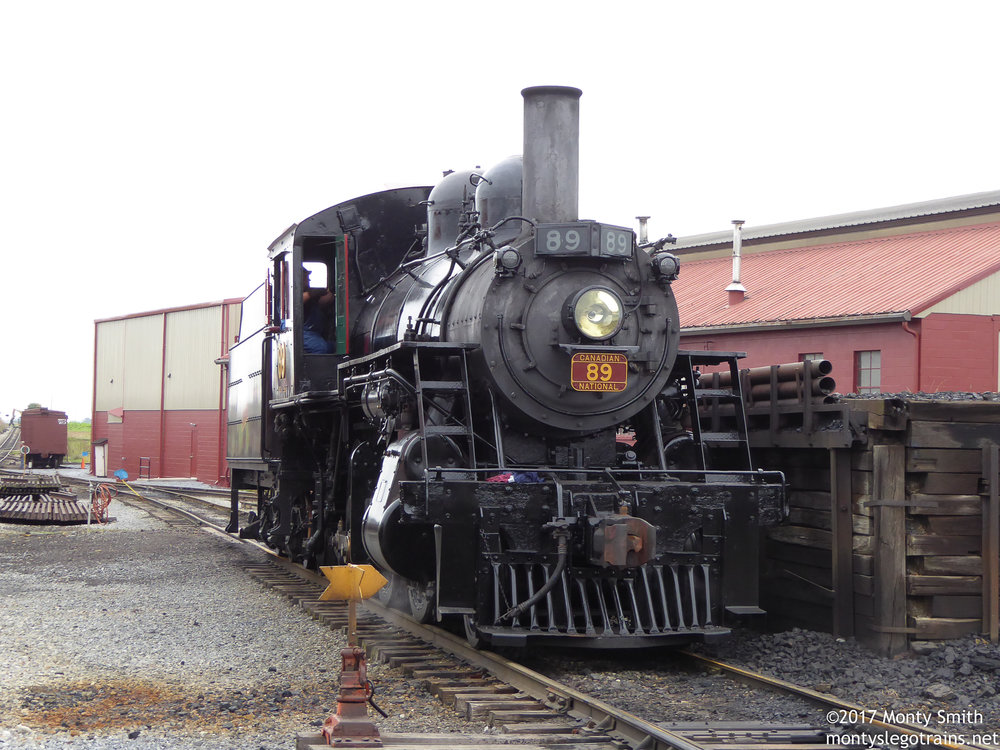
{"x": 551, "y": 188}
{"x": 736, "y": 290}
{"x": 643, "y": 229}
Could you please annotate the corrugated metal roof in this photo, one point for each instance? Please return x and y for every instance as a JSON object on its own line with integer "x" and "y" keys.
{"x": 884, "y": 276}
{"x": 856, "y": 218}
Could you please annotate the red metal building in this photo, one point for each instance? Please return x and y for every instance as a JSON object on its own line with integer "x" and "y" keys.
{"x": 899, "y": 299}
{"x": 160, "y": 390}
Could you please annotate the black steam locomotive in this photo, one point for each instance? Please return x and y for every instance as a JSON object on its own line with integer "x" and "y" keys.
{"x": 482, "y": 394}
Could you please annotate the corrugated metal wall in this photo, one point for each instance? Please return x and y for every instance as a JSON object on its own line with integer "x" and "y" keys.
{"x": 191, "y": 377}
{"x": 982, "y": 298}
{"x": 110, "y": 369}
{"x": 143, "y": 362}
{"x": 233, "y": 313}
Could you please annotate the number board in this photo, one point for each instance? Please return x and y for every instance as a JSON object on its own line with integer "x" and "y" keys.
{"x": 598, "y": 371}
{"x": 584, "y": 238}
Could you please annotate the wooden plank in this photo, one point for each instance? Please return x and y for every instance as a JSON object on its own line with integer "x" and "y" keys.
{"x": 801, "y": 535}
{"x": 842, "y": 527}
{"x": 925, "y": 585}
{"x": 944, "y": 461}
{"x": 861, "y": 482}
{"x": 861, "y": 505}
{"x": 965, "y": 435}
{"x": 954, "y": 411}
{"x": 796, "y": 553}
{"x": 943, "y": 484}
{"x": 795, "y": 588}
{"x": 864, "y": 585}
{"x": 889, "y": 548}
{"x": 991, "y": 543}
{"x": 959, "y": 565}
{"x": 922, "y": 544}
{"x": 892, "y": 417}
{"x": 808, "y": 478}
{"x": 863, "y": 629}
{"x": 966, "y": 607}
{"x": 808, "y": 573}
{"x": 809, "y": 499}
{"x": 954, "y": 525}
{"x": 945, "y": 505}
{"x": 861, "y": 460}
{"x": 864, "y": 565}
{"x": 815, "y": 519}
{"x": 941, "y": 628}
{"x": 864, "y": 606}
{"x": 796, "y": 457}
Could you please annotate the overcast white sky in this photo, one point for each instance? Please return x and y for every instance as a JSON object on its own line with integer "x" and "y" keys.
{"x": 151, "y": 151}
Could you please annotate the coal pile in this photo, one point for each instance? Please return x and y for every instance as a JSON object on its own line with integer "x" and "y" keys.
{"x": 953, "y": 676}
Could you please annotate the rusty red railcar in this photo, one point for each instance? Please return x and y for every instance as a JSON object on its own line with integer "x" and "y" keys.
{"x": 44, "y": 432}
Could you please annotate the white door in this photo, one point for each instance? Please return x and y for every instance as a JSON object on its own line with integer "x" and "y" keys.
{"x": 101, "y": 460}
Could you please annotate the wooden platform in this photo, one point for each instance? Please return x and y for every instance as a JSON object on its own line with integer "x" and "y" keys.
{"x": 44, "y": 508}
{"x": 895, "y": 537}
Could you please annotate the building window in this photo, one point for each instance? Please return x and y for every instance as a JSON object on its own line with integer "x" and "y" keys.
{"x": 810, "y": 356}
{"x": 868, "y": 371}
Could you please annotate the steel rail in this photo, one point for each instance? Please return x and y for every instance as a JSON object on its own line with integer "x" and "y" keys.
{"x": 639, "y": 733}
{"x": 594, "y": 715}
{"x": 929, "y": 736}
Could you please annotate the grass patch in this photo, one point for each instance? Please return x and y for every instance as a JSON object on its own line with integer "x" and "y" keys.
{"x": 78, "y": 437}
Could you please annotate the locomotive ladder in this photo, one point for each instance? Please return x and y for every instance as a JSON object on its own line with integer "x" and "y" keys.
{"x": 706, "y": 424}
{"x": 425, "y": 391}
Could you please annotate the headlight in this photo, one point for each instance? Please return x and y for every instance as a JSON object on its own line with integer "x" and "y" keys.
{"x": 597, "y": 313}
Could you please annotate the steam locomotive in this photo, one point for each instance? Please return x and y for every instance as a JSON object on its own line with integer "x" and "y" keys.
{"x": 482, "y": 394}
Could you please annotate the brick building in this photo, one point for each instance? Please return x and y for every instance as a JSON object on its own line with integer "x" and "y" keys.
{"x": 159, "y": 392}
{"x": 898, "y": 299}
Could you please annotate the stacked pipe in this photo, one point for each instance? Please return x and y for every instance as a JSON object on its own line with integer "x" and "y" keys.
{"x": 795, "y": 381}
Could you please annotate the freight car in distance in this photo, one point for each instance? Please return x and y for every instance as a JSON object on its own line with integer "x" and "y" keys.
{"x": 44, "y": 435}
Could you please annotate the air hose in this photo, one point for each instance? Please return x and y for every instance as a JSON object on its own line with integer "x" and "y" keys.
{"x": 563, "y": 551}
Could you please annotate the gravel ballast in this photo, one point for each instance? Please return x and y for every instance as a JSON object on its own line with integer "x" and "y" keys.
{"x": 136, "y": 635}
{"x": 951, "y": 687}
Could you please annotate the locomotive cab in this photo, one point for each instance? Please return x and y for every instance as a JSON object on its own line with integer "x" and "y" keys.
{"x": 323, "y": 269}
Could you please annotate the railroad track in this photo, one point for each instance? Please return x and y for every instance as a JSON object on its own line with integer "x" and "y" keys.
{"x": 10, "y": 441}
{"x": 10, "y": 447}
{"x": 522, "y": 707}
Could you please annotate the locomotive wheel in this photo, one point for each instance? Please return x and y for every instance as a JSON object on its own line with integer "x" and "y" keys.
{"x": 394, "y": 594}
{"x": 421, "y": 598}
{"x": 472, "y": 634}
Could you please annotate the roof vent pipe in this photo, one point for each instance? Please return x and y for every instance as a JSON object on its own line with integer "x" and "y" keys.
{"x": 736, "y": 290}
{"x": 551, "y": 187}
{"x": 643, "y": 229}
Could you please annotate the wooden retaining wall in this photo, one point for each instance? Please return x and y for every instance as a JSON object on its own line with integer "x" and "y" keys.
{"x": 894, "y": 532}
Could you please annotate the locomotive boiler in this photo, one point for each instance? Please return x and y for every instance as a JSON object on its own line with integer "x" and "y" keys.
{"x": 482, "y": 394}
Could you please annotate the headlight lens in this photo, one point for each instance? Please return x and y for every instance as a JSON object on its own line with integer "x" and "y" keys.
{"x": 598, "y": 313}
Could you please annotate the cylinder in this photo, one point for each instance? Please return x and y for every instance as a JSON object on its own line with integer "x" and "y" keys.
{"x": 790, "y": 389}
{"x": 790, "y": 371}
{"x": 551, "y": 190}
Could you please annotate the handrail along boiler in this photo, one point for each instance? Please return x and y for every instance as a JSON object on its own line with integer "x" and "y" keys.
{"x": 504, "y": 423}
